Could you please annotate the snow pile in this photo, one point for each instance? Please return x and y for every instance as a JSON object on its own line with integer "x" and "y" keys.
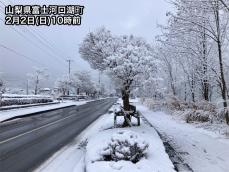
{"x": 124, "y": 145}
{"x": 155, "y": 157}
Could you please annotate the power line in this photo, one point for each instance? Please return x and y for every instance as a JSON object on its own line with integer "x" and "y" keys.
{"x": 30, "y": 40}
{"x": 51, "y": 44}
{"x": 39, "y": 39}
{"x": 15, "y": 52}
{"x": 44, "y": 43}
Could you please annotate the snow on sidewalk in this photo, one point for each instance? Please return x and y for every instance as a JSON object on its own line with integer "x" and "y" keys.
{"x": 201, "y": 149}
{"x": 7, "y": 114}
{"x": 72, "y": 157}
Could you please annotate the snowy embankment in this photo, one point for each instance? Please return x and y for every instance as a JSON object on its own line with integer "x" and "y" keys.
{"x": 203, "y": 150}
{"x": 7, "y": 114}
{"x": 85, "y": 152}
{"x": 24, "y": 96}
{"x": 8, "y": 100}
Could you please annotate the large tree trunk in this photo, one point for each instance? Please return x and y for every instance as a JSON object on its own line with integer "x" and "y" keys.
{"x": 126, "y": 105}
{"x": 126, "y": 102}
{"x": 223, "y": 82}
{"x": 223, "y": 85}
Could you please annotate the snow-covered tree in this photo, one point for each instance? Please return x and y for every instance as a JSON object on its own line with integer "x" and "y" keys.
{"x": 36, "y": 77}
{"x": 82, "y": 83}
{"x": 2, "y": 87}
{"x": 192, "y": 49}
{"x": 63, "y": 85}
{"x": 123, "y": 57}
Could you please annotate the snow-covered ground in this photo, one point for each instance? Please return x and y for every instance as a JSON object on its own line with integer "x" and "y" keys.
{"x": 203, "y": 150}
{"x": 6, "y": 114}
{"x": 81, "y": 154}
{"x": 23, "y": 96}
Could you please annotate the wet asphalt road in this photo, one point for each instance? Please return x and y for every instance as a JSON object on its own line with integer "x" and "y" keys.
{"x": 27, "y": 142}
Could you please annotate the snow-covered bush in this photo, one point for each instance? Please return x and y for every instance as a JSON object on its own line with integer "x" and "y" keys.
{"x": 197, "y": 115}
{"x": 220, "y": 115}
{"x": 23, "y": 101}
{"x": 126, "y": 146}
{"x": 153, "y": 104}
{"x": 201, "y": 111}
{"x": 175, "y": 103}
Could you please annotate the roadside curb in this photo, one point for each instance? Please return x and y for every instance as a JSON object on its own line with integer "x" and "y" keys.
{"x": 177, "y": 160}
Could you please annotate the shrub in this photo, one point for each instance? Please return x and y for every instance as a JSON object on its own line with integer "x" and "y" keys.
{"x": 153, "y": 104}
{"x": 23, "y": 101}
{"x": 124, "y": 146}
{"x": 197, "y": 115}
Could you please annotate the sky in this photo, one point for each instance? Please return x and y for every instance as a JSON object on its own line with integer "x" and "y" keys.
{"x": 49, "y": 47}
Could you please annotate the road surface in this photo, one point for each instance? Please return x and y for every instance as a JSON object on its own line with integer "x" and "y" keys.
{"x": 27, "y": 142}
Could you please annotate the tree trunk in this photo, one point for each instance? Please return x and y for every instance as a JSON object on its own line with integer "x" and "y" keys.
{"x": 35, "y": 91}
{"x": 206, "y": 90}
{"x": 205, "y": 83}
{"x": 193, "y": 88}
{"x": 126, "y": 105}
{"x": 36, "y": 85}
{"x": 126, "y": 102}
{"x": 223, "y": 82}
{"x": 185, "y": 92}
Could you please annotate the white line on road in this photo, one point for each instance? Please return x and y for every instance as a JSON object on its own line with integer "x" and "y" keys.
{"x": 22, "y": 134}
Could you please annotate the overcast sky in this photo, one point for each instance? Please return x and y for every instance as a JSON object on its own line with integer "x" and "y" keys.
{"x": 120, "y": 16}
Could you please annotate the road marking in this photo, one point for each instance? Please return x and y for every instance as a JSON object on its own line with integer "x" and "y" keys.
{"x": 22, "y": 134}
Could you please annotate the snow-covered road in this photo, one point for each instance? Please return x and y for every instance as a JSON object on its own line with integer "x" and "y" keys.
{"x": 7, "y": 114}
{"x": 202, "y": 150}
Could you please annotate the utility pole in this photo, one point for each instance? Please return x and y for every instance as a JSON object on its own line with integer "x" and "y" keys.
{"x": 69, "y": 66}
{"x": 69, "y": 72}
{"x": 27, "y": 86}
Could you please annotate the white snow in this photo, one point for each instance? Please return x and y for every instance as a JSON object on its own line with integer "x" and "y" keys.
{"x": 72, "y": 157}
{"x": 203, "y": 150}
{"x": 6, "y": 114}
{"x": 157, "y": 159}
{"x": 24, "y": 96}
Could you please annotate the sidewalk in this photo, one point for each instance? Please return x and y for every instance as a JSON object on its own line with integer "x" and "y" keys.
{"x": 202, "y": 150}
